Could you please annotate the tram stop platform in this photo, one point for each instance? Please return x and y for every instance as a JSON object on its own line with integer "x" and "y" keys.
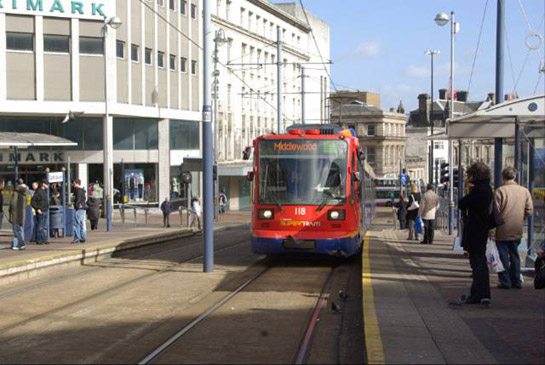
{"x": 137, "y": 231}
{"x": 407, "y": 319}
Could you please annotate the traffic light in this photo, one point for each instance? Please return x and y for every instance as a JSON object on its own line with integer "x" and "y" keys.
{"x": 444, "y": 172}
{"x": 455, "y": 176}
{"x": 186, "y": 177}
{"x": 215, "y": 172}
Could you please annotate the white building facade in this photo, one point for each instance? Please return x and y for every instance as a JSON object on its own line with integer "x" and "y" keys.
{"x": 52, "y": 61}
{"x": 247, "y": 81}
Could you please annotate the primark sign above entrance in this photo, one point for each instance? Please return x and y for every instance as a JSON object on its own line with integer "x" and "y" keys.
{"x": 82, "y": 9}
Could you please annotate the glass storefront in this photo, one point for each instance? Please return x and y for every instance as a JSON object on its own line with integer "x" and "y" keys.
{"x": 136, "y": 182}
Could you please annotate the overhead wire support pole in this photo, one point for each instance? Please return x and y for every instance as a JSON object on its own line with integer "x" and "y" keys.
{"x": 278, "y": 79}
{"x": 207, "y": 149}
{"x": 451, "y": 116}
{"x": 498, "y": 142}
{"x": 302, "y": 95}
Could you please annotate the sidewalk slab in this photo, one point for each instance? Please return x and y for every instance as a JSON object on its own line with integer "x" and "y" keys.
{"x": 412, "y": 284}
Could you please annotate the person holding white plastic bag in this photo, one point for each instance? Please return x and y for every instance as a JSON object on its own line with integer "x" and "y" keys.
{"x": 412, "y": 212}
{"x": 475, "y": 206}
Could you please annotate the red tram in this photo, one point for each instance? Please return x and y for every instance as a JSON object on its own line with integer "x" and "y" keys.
{"x": 310, "y": 192}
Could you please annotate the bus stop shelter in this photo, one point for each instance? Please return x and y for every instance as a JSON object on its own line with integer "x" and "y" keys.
{"x": 523, "y": 121}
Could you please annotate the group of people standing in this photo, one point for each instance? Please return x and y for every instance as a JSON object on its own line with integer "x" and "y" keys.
{"x": 416, "y": 207}
{"x": 40, "y": 201}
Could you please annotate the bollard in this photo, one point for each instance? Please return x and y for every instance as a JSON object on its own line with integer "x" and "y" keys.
{"x": 134, "y": 212}
{"x": 122, "y": 214}
{"x": 181, "y": 213}
{"x": 146, "y": 216}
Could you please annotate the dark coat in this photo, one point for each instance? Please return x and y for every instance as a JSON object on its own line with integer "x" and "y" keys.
{"x": 39, "y": 200}
{"x": 475, "y": 212}
{"x": 402, "y": 210}
{"x": 166, "y": 207}
{"x": 412, "y": 214}
{"x": 93, "y": 213}
{"x": 80, "y": 202}
{"x": 17, "y": 206}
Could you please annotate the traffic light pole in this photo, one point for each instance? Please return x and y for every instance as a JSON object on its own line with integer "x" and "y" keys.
{"x": 460, "y": 177}
{"x": 451, "y": 116}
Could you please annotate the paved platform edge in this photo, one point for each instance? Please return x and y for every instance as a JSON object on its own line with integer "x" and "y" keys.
{"x": 82, "y": 252}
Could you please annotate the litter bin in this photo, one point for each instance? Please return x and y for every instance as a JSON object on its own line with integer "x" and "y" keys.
{"x": 69, "y": 222}
{"x": 56, "y": 220}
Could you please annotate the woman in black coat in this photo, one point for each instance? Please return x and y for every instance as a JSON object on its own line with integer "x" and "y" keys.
{"x": 412, "y": 214}
{"x": 401, "y": 206}
{"x": 475, "y": 208}
{"x": 93, "y": 213}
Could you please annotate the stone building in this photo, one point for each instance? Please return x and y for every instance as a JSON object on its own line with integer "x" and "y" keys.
{"x": 381, "y": 133}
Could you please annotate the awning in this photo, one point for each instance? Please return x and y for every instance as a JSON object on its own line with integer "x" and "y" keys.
{"x": 22, "y": 140}
{"x": 499, "y": 120}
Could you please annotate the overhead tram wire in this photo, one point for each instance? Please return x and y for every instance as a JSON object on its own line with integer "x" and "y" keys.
{"x": 317, "y": 47}
{"x": 144, "y": 2}
{"x": 478, "y": 46}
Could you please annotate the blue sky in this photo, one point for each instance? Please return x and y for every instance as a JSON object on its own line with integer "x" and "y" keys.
{"x": 379, "y": 45}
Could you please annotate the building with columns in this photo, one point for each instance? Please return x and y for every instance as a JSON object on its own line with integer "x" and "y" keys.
{"x": 53, "y": 63}
{"x": 247, "y": 79}
{"x": 381, "y": 133}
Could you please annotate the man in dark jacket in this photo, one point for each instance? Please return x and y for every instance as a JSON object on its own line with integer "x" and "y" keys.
{"x": 17, "y": 208}
{"x": 475, "y": 208}
{"x": 1, "y": 202}
{"x": 80, "y": 206}
{"x": 166, "y": 208}
{"x": 40, "y": 203}
{"x": 93, "y": 212}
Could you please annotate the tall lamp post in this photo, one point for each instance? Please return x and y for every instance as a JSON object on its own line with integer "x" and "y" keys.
{"x": 114, "y": 23}
{"x": 219, "y": 40}
{"x": 442, "y": 19}
{"x": 430, "y": 165}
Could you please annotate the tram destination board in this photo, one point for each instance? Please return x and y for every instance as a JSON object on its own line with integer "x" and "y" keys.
{"x": 303, "y": 147}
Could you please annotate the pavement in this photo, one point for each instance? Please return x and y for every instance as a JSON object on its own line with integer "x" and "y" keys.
{"x": 406, "y": 290}
{"x": 137, "y": 231}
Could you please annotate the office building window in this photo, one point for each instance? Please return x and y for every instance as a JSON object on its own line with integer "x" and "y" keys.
{"x": 193, "y": 67}
{"x": 183, "y": 64}
{"x": 135, "y": 134}
{"x": 147, "y": 56}
{"x": 19, "y": 41}
{"x": 56, "y": 43}
{"x": 134, "y": 52}
{"x": 172, "y": 62}
{"x": 184, "y": 135}
{"x": 371, "y": 130}
{"x": 193, "y": 11}
{"x": 171, "y": 4}
{"x": 120, "y": 49}
{"x": 160, "y": 59}
{"x": 183, "y": 7}
{"x": 91, "y": 45}
{"x": 161, "y": 2}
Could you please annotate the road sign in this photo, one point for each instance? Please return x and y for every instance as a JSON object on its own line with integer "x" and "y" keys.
{"x": 403, "y": 179}
{"x": 55, "y": 177}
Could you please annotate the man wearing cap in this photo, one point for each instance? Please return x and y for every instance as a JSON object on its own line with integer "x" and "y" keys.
{"x": 40, "y": 204}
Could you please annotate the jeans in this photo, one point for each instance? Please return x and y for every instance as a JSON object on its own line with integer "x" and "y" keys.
{"x": 80, "y": 233}
{"x": 429, "y": 230}
{"x": 166, "y": 220}
{"x": 41, "y": 229}
{"x": 509, "y": 257}
{"x": 18, "y": 235}
{"x": 412, "y": 230}
{"x": 480, "y": 287}
{"x": 1, "y": 219}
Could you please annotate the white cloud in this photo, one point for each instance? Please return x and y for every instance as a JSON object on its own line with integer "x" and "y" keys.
{"x": 370, "y": 49}
{"x": 417, "y": 71}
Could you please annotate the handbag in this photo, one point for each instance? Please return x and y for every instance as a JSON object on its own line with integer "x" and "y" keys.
{"x": 493, "y": 257}
{"x": 539, "y": 279}
{"x": 494, "y": 216}
{"x": 414, "y": 205}
{"x": 418, "y": 223}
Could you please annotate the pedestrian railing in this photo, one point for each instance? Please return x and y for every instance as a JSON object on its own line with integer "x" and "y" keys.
{"x": 123, "y": 208}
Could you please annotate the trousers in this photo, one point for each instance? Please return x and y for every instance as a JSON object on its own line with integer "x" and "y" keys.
{"x": 509, "y": 257}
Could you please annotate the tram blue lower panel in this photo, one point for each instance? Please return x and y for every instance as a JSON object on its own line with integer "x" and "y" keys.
{"x": 333, "y": 246}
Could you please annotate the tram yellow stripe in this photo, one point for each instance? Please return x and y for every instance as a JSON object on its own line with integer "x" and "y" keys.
{"x": 373, "y": 342}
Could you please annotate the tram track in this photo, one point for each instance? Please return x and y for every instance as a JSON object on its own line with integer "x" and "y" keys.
{"x": 113, "y": 289}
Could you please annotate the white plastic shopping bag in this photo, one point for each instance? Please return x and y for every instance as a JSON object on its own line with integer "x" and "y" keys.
{"x": 493, "y": 257}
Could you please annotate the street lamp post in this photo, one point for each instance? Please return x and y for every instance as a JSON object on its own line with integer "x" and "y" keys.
{"x": 442, "y": 19}
{"x": 430, "y": 166}
{"x": 219, "y": 40}
{"x": 113, "y": 22}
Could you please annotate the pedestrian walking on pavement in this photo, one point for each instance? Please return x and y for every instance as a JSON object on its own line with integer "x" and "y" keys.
{"x": 428, "y": 208}
{"x": 402, "y": 206}
{"x": 222, "y": 200}
{"x": 17, "y": 208}
{"x": 166, "y": 208}
{"x": 33, "y": 189}
{"x": 1, "y": 201}
{"x": 197, "y": 211}
{"x": 515, "y": 205}
{"x": 476, "y": 208}
{"x": 80, "y": 206}
{"x": 40, "y": 204}
{"x": 412, "y": 212}
{"x": 93, "y": 212}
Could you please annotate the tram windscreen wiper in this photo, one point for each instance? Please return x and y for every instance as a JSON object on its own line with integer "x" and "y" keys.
{"x": 327, "y": 197}
{"x": 276, "y": 200}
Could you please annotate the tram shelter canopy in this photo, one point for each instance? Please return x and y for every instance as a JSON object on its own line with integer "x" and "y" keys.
{"x": 23, "y": 140}
{"x": 499, "y": 120}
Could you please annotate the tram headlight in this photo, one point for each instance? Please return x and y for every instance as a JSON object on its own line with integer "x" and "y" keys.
{"x": 336, "y": 215}
{"x": 266, "y": 214}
